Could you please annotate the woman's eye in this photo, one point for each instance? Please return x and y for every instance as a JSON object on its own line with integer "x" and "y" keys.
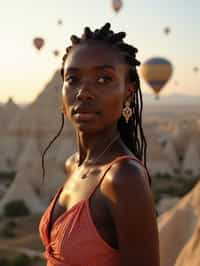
{"x": 71, "y": 79}
{"x": 104, "y": 79}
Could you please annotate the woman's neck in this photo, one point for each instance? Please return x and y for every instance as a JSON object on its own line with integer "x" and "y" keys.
{"x": 90, "y": 147}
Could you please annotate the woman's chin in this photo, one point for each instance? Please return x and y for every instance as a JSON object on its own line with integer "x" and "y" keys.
{"x": 85, "y": 127}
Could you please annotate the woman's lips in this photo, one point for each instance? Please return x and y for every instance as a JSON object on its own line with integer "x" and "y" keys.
{"x": 84, "y": 116}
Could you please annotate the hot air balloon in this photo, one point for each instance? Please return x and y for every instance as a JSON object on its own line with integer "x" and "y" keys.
{"x": 38, "y": 43}
{"x": 156, "y": 72}
{"x": 195, "y": 69}
{"x": 60, "y": 22}
{"x": 117, "y": 5}
{"x": 167, "y": 30}
{"x": 56, "y": 52}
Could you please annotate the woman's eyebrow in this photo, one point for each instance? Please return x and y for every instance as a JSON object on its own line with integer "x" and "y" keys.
{"x": 98, "y": 67}
{"x": 72, "y": 69}
{"x": 105, "y": 67}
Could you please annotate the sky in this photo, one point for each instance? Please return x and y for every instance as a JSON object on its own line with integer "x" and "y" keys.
{"x": 25, "y": 71}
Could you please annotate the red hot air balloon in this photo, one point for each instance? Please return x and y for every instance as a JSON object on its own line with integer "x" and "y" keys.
{"x": 117, "y": 5}
{"x": 38, "y": 43}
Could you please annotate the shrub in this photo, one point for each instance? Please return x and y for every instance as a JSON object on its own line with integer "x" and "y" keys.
{"x": 4, "y": 262}
{"x": 16, "y": 208}
{"x": 11, "y": 224}
{"x": 8, "y": 174}
{"x": 7, "y": 232}
{"x": 21, "y": 260}
{"x": 176, "y": 186}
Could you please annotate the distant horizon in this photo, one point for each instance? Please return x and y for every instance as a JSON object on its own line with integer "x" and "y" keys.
{"x": 151, "y": 97}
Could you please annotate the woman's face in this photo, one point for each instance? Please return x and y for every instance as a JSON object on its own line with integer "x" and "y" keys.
{"x": 95, "y": 86}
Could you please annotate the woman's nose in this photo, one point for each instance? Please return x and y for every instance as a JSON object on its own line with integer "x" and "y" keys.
{"x": 84, "y": 92}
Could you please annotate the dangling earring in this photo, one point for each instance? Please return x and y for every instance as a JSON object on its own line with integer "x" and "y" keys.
{"x": 127, "y": 111}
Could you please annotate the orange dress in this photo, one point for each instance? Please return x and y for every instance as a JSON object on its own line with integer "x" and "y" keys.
{"x": 74, "y": 239}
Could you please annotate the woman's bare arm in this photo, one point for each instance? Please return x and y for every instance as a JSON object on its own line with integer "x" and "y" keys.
{"x": 133, "y": 212}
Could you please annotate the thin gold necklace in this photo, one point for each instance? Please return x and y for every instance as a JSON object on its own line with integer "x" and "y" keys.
{"x": 101, "y": 154}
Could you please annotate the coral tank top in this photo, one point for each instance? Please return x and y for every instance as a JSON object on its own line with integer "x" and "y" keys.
{"x": 74, "y": 239}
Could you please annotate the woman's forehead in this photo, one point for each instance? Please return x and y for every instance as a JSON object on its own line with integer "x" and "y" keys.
{"x": 93, "y": 54}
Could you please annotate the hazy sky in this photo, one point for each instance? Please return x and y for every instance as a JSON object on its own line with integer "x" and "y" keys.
{"x": 24, "y": 71}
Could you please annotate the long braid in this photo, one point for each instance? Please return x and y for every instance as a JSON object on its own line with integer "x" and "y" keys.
{"x": 48, "y": 146}
{"x": 132, "y": 132}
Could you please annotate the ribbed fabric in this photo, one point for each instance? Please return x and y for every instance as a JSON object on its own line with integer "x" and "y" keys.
{"x": 74, "y": 240}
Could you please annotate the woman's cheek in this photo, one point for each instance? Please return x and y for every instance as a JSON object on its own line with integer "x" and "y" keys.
{"x": 65, "y": 91}
{"x": 67, "y": 99}
{"x": 112, "y": 110}
{"x": 68, "y": 94}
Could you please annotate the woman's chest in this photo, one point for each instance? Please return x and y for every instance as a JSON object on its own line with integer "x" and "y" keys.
{"x": 75, "y": 193}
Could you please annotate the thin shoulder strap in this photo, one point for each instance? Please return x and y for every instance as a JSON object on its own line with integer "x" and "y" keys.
{"x": 120, "y": 158}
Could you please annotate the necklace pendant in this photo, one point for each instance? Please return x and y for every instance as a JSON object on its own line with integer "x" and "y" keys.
{"x": 85, "y": 174}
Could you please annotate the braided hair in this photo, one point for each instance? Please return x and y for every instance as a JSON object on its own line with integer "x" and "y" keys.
{"x": 132, "y": 132}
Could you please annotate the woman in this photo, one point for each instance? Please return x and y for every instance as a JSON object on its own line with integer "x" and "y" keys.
{"x": 104, "y": 213}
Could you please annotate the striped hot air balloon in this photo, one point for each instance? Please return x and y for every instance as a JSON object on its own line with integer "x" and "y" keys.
{"x": 156, "y": 72}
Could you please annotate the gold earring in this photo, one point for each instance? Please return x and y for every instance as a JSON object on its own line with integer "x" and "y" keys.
{"x": 127, "y": 111}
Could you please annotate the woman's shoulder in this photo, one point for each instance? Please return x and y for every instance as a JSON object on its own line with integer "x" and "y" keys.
{"x": 126, "y": 178}
{"x": 128, "y": 169}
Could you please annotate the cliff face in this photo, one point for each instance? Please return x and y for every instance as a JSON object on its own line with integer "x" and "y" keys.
{"x": 39, "y": 122}
{"x": 179, "y": 232}
{"x": 24, "y": 140}
{"x": 190, "y": 255}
